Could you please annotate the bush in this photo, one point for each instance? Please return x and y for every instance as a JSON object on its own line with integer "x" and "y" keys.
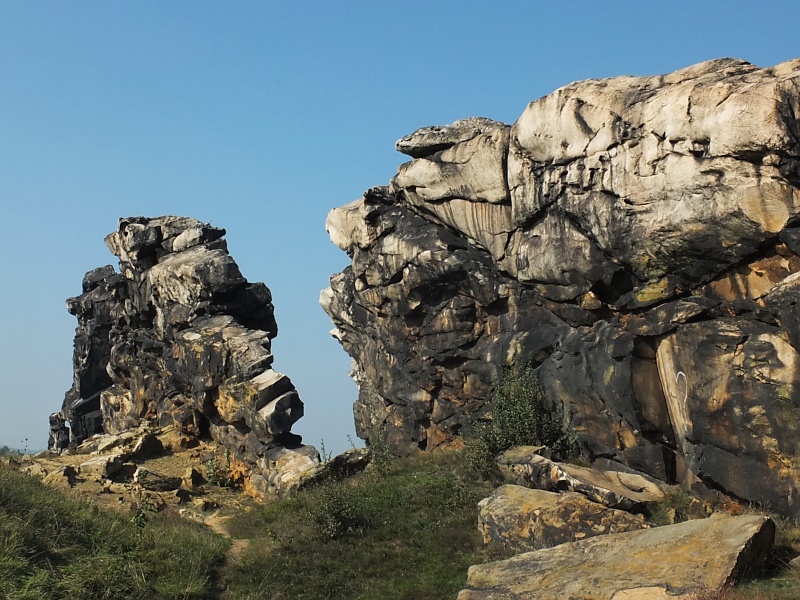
{"x": 217, "y": 473}
{"x": 519, "y": 414}
{"x": 338, "y": 513}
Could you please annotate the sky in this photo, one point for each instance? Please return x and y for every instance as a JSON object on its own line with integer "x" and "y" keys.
{"x": 260, "y": 117}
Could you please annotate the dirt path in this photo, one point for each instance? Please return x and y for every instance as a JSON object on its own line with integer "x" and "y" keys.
{"x": 216, "y": 523}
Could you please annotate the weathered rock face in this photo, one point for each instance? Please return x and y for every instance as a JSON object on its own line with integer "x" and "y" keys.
{"x": 614, "y": 489}
{"x": 179, "y": 337}
{"x": 635, "y": 238}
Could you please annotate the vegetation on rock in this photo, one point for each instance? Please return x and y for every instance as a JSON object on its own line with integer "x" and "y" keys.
{"x": 519, "y": 415}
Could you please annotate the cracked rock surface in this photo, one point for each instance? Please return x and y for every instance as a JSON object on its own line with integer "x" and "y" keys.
{"x": 635, "y": 238}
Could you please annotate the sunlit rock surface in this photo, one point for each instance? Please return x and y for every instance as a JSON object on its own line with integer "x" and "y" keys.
{"x": 635, "y": 238}
{"x": 521, "y": 519}
{"x": 649, "y": 564}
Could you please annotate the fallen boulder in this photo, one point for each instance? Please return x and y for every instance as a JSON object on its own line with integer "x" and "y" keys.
{"x": 103, "y": 466}
{"x": 62, "y": 477}
{"x": 624, "y": 490}
{"x": 156, "y": 482}
{"x": 520, "y": 519}
{"x": 662, "y": 562}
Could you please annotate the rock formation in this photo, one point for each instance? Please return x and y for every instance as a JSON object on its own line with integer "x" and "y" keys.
{"x": 613, "y": 488}
{"x": 179, "y": 337}
{"x": 636, "y": 239}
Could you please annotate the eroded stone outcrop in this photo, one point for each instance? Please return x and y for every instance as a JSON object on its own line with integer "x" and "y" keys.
{"x": 625, "y": 490}
{"x": 179, "y": 337}
{"x": 635, "y": 238}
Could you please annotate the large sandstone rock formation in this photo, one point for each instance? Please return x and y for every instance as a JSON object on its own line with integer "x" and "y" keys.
{"x": 634, "y": 238}
{"x": 179, "y": 337}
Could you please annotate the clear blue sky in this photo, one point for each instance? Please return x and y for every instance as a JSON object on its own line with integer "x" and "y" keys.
{"x": 260, "y": 117}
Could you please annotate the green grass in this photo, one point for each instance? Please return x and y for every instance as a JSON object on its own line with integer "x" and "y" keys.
{"x": 56, "y": 547}
{"x": 409, "y": 531}
{"x": 406, "y": 531}
{"x": 782, "y": 582}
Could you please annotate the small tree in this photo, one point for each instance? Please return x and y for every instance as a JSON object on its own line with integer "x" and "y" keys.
{"x": 519, "y": 414}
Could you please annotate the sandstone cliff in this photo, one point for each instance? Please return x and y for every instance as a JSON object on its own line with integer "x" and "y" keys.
{"x": 634, "y": 238}
{"x": 179, "y": 337}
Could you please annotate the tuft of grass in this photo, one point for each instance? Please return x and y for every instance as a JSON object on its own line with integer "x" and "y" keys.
{"x": 408, "y": 531}
{"x": 675, "y": 508}
{"x": 52, "y": 546}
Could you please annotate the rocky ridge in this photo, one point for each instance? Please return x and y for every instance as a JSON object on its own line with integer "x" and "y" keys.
{"x": 178, "y": 338}
{"x": 634, "y": 238}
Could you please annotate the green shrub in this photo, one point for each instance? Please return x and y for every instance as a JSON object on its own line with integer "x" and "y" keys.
{"x": 519, "y": 414}
{"x": 338, "y": 513}
{"x": 217, "y": 473}
{"x": 380, "y": 453}
{"x": 674, "y": 508}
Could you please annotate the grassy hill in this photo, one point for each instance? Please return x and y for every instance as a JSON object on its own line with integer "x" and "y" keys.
{"x": 404, "y": 531}
{"x": 56, "y": 547}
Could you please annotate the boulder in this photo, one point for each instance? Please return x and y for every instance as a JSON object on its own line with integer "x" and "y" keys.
{"x": 342, "y": 465}
{"x": 146, "y": 446}
{"x": 10, "y": 462}
{"x": 615, "y": 489}
{"x": 103, "y": 466}
{"x": 62, "y": 477}
{"x": 193, "y": 478}
{"x": 633, "y": 239}
{"x": 156, "y": 482}
{"x": 662, "y": 562}
{"x": 35, "y": 470}
{"x": 286, "y": 469}
{"x": 106, "y": 443}
{"x": 520, "y": 519}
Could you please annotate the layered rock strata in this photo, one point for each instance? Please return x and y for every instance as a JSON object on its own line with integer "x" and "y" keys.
{"x": 179, "y": 337}
{"x": 636, "y": 239}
